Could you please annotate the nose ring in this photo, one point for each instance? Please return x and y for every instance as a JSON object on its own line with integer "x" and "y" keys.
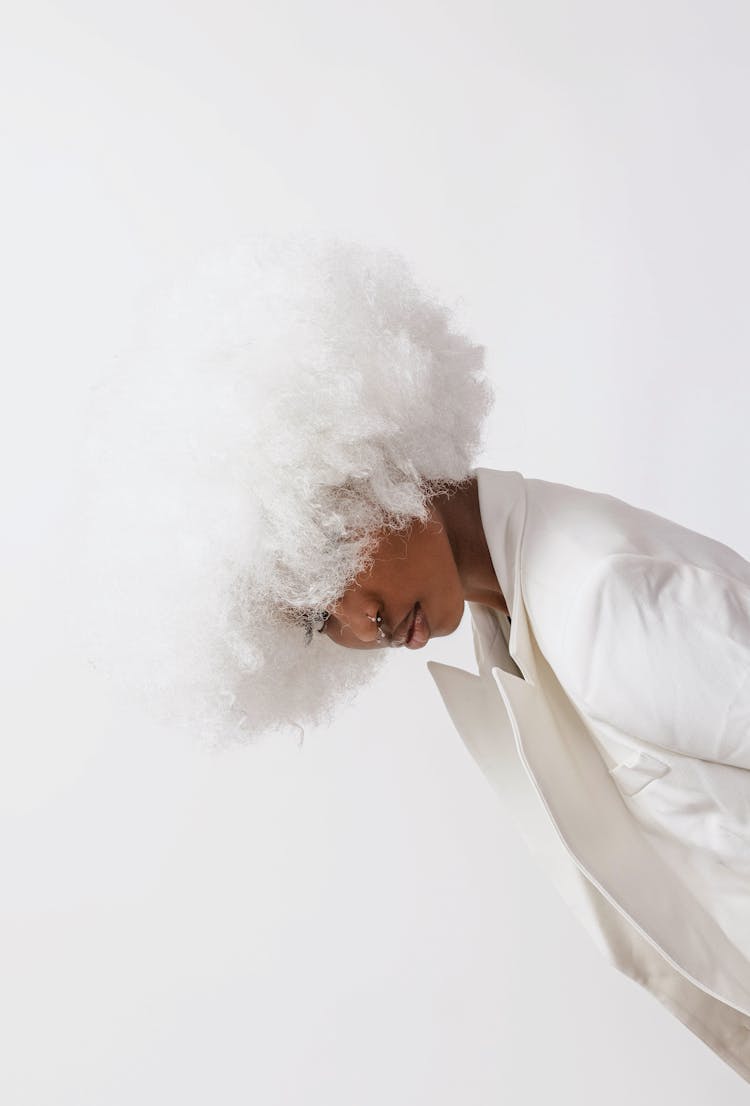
{"x": 381, "y": 632}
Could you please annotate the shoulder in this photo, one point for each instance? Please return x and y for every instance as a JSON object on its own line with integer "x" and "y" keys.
{"x": 575, "y": 539}
{"x": 660, "y": 588}
{"x": 660, "y": 649}
{"x": 570, "y": 536}
{"x": 607, "y": 526}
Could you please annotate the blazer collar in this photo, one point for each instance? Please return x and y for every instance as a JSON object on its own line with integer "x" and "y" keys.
{"x": 502, "y": 507}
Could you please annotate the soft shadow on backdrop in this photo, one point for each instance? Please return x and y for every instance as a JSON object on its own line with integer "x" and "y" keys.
{"x": 355, "y": 922}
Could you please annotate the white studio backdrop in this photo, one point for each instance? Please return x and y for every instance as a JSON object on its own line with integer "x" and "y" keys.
{"x": 355, "y": 921}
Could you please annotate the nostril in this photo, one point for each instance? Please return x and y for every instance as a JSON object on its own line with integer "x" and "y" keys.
{"x": 380, "y": 634}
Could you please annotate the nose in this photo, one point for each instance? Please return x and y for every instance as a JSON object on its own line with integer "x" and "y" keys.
{"x": 354, "y": 614}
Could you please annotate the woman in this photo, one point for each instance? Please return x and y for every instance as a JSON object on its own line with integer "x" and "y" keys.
{"x": 285, "y": 493}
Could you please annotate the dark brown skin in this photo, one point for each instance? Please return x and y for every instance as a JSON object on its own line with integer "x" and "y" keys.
{"x": 441, "y": 564}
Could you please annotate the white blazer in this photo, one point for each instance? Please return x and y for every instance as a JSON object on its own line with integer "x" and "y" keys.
{"x": 611, "y": 713}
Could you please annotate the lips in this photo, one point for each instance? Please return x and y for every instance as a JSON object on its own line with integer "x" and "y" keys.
{"x": 404, "y": 628}
{"x": 418, "y": 633}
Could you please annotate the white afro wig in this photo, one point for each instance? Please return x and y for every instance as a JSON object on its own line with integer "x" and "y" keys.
{"x": 299, "y": 396}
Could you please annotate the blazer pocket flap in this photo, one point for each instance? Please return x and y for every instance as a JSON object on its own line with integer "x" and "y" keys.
{"x": 639, "y": 769}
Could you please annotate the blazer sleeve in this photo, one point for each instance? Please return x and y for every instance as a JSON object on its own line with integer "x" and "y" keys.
{"x": 660, "y": 649}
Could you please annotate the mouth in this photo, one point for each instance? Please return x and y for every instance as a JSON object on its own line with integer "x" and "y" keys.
{"x": 417, "y": 631}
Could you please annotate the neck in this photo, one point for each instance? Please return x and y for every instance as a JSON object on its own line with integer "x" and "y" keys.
{"x": 459, "y": 509}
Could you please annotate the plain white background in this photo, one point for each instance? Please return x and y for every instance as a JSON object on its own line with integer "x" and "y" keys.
{"x": 355, "y": 922}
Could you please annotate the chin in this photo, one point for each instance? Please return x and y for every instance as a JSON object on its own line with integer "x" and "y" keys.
{"x": 453, "y": 622}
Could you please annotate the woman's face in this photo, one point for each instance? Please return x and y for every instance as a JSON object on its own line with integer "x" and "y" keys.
{"x": 412, "y": 592}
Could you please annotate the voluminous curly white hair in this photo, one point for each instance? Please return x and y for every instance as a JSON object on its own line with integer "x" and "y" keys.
{"x": 300, "y": 395}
